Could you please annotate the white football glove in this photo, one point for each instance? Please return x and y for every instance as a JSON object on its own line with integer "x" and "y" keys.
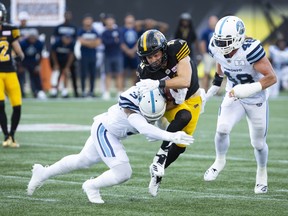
{"x": 179, "y": 95}
{"x": 147, "y": 85}
{"x": 212, "y": 91}
{"x": 203, "y": 98}
{"x": 150, "y": 139}
{"x": 180, "y": 137}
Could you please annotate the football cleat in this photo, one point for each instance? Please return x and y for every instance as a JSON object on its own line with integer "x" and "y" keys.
{"x": 92, "y": 193}
{"x": 260, "y": 189}
{"x": 154, "y": 182}
{"x": 37, "y": 179}
{"x": 211, "y": 174}
{"x": 158, "y": 169}
{"x": 10, "y": 143}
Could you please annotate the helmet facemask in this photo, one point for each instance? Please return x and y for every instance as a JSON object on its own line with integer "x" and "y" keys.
{"x": 229, "y": 34}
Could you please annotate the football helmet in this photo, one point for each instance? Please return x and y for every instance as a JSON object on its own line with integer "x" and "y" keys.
{"x": 229, "y": 34}
{"x": 150, "y": 42}
{"x": 3, "y": 13}
{"x": 152, "y": 105}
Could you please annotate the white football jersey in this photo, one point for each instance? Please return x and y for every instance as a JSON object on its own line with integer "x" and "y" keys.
{"x": 115, "y": 120}
{"x": 239, "y": 69}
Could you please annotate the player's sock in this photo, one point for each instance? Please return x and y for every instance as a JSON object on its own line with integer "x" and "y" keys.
{"x": 261, "y": 158}
{"x": 15, "y": 119}
{"x": 182, "y": 118}
{"x": 173, "y": 154}
{"x": 3, "y": 120}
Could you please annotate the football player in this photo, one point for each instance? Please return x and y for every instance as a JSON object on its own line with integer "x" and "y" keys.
{"x": 9, "y": 83}
{"x": 249, "y": 73}
{"x": 167, "y": 65}
{"x": 129, "y": 116}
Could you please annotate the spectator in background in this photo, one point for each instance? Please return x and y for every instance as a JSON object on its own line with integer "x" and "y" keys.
{"x": 99, "y": 27}
{"x": 68, "y": 29}
{"x": 129, "y": 48}
{"x": 186, "y": 31}
{"x": 62, "y": 56}
{"x": 89, "y": 40}
{"x": 24, "y": 30}
{"x": 142, "y": 25}
{"x": 208, "y": 61}
{"x": 279, "y": 59}
{"x": 32, "y": 48}
{"x": 112, "y": 41}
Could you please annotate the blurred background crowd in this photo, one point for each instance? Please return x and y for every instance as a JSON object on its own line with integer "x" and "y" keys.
{"x": 90, "y": 49}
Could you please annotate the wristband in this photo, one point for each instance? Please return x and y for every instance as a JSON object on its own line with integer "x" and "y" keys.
{"x": 162, "y": 84}
{"x": 217, "y": 80}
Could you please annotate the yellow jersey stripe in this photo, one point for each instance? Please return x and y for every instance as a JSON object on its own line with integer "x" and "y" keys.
{"x": 184, "y": 51}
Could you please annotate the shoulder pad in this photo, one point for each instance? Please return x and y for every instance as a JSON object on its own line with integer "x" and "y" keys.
{"x": 253, "y": 50}
{"x": 179, "y": 48}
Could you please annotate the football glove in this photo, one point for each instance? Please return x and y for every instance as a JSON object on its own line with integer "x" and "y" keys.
{"x": 147, "y": 85}
{"x": 212, "y": 91}
{"x": 180, "y": 137}
{"x": 179, "y": 95}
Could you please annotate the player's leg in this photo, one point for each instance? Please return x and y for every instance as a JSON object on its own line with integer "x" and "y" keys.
{"x": 113, "y": 154}
{"x": 230, "y": 113}
{"x": 257, "y": 117}
{"x": 86, "y": 158}
{"x": 14, "y": 93}
{"x": 3, "y": 116}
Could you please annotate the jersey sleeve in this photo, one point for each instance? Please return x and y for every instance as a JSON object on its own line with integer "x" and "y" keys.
{"x": 255, "y": 51}
{"x": 130, "y": 99}
{"x": 178, "y": 48}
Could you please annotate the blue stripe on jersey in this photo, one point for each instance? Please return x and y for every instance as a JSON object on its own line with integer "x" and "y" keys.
{"x": 222, "y": 24}
{"x": 126, "y": 103}
{"x": 103, "y": 141}
{"x": 255, "y": 54}
{"x": 152, "y": 101}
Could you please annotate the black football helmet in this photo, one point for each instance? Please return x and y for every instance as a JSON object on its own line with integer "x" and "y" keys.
{"x": 149, "y": 43}
{"x": 3, "y": 13}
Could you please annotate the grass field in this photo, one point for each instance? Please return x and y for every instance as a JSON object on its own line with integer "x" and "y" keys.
{"x": 183, "y": 190}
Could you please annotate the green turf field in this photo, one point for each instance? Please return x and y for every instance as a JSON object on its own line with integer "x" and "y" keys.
{"x": 183, "y": 190}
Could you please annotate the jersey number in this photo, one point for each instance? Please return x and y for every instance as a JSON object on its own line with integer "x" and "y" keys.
{"x": 240, "y": 78}
{"x": 3, "y": 53}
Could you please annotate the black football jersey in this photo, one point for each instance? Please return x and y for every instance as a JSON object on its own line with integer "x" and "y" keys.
{"x": 177, "y": 49}
{"x": 8, "y": 34}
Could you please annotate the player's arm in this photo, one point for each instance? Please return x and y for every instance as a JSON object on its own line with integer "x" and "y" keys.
{"x": 217, "y": 81}
{"x": 183, "y": 78}
{"x": 151, "y": 131}
{"x": 264, "y": 67}
{"x": 17, "y": 49}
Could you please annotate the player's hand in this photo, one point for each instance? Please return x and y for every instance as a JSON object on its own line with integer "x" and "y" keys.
{"x": 147, "y": 85}
{"x": 180, "y": 137}
{"x": 204, "y": 100}
{"x": 150, "y": 139}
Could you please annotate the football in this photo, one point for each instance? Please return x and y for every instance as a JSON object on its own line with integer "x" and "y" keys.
{"x": 167, "y": 94}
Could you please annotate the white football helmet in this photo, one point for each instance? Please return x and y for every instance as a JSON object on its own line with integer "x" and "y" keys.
{"x": 152, "y": 105}
{"x": 229, "y": 34}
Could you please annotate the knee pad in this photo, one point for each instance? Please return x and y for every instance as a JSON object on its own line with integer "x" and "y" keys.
{"x": 122, "y": 172}
{"x": 258, "y": 144}
{"x": 224, "y": 129}
{"x": 184, "y": 116}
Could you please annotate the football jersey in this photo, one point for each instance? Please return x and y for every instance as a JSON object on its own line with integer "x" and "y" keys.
{"x": 176, "y": 50}
{"x": 115, "y": 119}
{"x": 8, "y": 35}
{"x": 239, "y": 68}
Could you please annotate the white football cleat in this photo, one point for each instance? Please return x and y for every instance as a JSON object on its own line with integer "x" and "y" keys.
{"x": 158, "y": 169}
{"x": 37, "y": 179}
{"x": 92, "y": 193}
{"x": 260, "y": 189}
{"x": 154, "y": 182}
{"x": 211, "y": 174}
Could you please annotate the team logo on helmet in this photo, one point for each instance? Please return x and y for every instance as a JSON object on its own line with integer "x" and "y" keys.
{"x": 240, "y": 27}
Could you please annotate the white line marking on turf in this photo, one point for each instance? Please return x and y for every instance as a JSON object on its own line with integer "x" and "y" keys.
{"x": 31, "y": 198}
{"x": 196, "y": 195}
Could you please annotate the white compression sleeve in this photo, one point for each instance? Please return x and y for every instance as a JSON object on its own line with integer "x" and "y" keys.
{"x": 143, "y": 127}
